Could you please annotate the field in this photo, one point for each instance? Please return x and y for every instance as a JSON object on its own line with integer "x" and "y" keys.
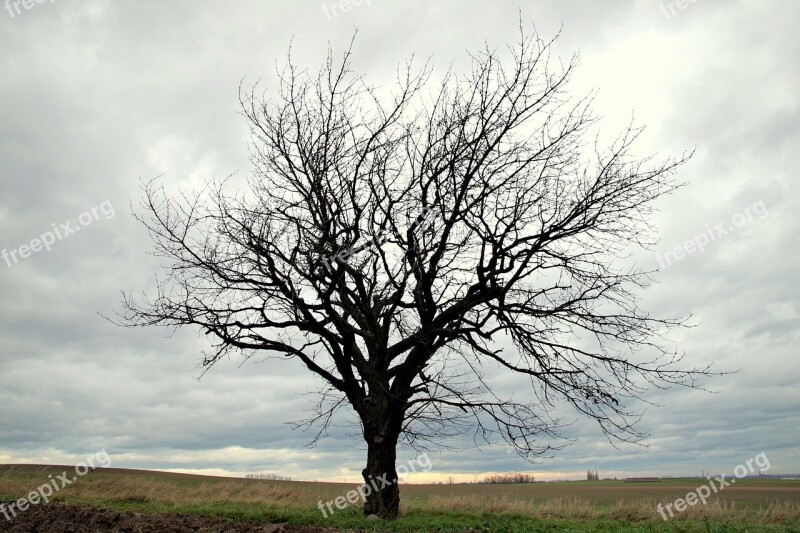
{"x": 222, "y": 504}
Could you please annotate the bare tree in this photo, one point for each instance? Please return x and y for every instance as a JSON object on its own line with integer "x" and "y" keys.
{"x": 403, "y": 244}
{"x": 509, "y": 478}
{"x": 268, "y": 477}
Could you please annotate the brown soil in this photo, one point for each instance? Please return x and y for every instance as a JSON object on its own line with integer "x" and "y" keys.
{"x": 60, "y": 518}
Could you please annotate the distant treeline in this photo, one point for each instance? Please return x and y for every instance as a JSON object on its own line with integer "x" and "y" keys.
{"x": 268, "y": 477}
{"x": 499, "y": 479}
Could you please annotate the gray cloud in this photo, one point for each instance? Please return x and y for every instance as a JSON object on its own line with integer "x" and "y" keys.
{"x": 96, "y": 95}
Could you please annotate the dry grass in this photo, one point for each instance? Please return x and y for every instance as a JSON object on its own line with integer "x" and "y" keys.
{"x": 634, "y": 510}
{"x": 150, "y": 490}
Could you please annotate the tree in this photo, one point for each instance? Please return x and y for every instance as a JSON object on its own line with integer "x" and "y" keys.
{"x": 268, "y": 477}
{"x": 508, "y": 478}
{"x": 400, "y": 244}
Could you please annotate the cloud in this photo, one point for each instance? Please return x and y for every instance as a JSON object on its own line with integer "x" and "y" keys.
{"x": 97, "y": 95}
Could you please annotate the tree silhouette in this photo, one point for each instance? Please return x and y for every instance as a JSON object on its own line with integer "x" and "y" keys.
{"x": 403, "y": 244}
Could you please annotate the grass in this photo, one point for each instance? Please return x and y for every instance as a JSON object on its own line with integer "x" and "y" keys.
{"x": 750, "y": 505}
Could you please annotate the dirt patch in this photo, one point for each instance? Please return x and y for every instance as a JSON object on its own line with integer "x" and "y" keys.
{"x": 60, "y": 518}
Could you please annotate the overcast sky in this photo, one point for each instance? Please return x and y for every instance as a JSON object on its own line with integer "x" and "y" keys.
{"x": 98, "y": 94}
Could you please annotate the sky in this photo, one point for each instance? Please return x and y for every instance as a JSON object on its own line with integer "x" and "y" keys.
{"x": 96, "y": 96}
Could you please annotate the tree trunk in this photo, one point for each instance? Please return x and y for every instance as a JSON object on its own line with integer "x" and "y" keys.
{"x": 380, "y": 475}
